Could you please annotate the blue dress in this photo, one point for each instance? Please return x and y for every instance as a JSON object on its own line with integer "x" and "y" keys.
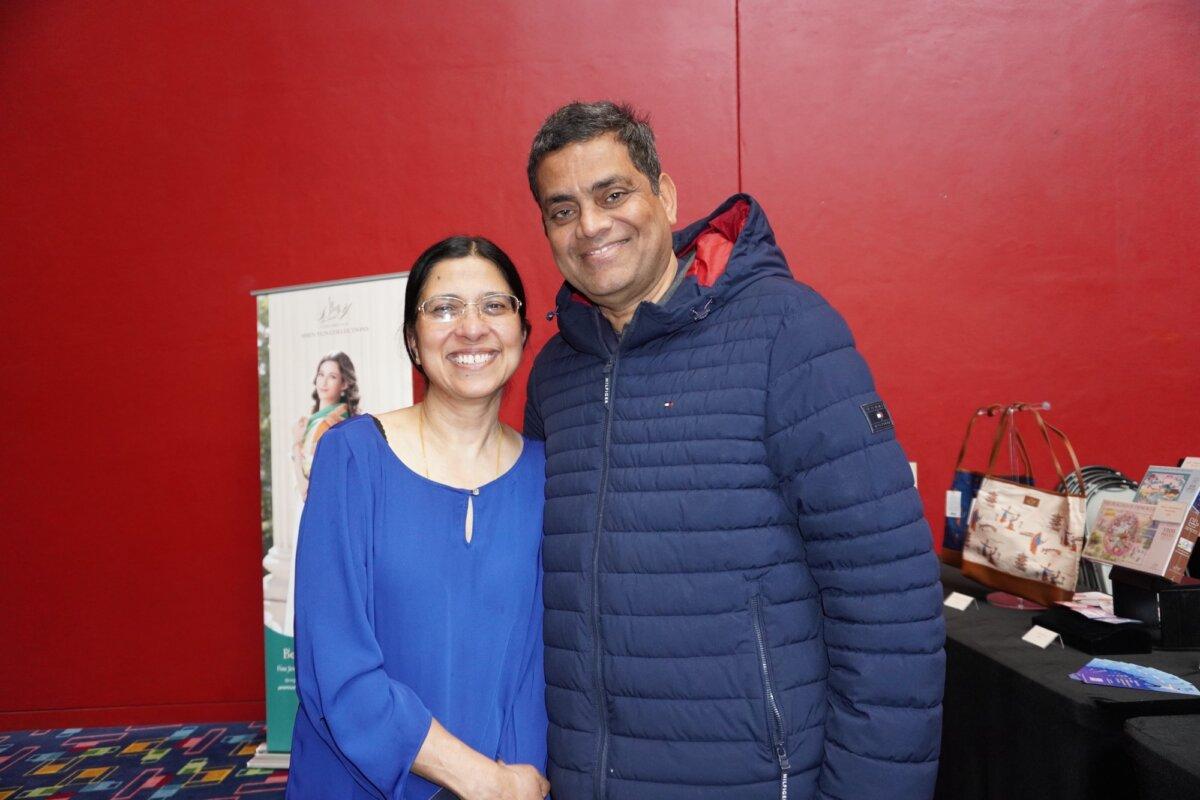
{"x": 400, "y": 620}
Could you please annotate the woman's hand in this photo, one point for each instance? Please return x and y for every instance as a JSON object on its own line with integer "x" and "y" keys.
{"x": 447, "y": 761}
{"x": 522, "y": 782}
{"x": 298, "y": 431}
{"x": 510, "y": 782}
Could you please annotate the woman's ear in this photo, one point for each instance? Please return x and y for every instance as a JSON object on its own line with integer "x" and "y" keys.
{"x": 411, "y": 341}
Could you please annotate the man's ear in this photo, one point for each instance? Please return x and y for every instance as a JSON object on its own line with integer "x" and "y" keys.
{"x": 666, "y": 194}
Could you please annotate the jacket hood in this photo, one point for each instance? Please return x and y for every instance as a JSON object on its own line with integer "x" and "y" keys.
{"x": 734, "y": 247}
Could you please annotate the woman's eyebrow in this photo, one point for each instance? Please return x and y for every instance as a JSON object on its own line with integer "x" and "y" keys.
{"x": 485, "y": 293}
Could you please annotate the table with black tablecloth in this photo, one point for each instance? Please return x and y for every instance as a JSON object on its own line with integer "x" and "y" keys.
{"x": 1166, "y": 756}
{"x": 1015, "y": 726}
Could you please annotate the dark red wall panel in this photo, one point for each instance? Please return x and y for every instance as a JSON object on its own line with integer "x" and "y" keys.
{"x": 1004, "y": 201}
{"x": 986, "y": 190}
{"x": 159, "y": 161}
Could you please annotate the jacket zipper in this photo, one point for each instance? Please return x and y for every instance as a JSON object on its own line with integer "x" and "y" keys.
{"x": 778, "y": 732}
{"x": 601, "y": 693}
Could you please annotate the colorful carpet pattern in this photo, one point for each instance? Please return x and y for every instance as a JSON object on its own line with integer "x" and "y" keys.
{"x": 188, "y": 762}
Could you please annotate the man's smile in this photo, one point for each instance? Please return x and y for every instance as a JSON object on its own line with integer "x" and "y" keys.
{"x": 603, "y": 253}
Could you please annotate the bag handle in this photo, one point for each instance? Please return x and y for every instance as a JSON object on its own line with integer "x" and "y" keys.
{"x": 991, "y": 411}
{"x": 1046, "y": 428}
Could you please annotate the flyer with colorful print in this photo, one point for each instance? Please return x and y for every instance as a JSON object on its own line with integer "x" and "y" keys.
{"x": 1102, "y": 672}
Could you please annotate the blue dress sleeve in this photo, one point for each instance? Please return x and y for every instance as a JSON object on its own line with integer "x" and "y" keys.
{"x": 524, "y": 737}
{"x": 374, "y": 724}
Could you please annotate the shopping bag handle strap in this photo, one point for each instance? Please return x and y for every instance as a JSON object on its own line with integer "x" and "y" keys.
{"x": 1046, "y": 429}
{"x": 991, "y": 411}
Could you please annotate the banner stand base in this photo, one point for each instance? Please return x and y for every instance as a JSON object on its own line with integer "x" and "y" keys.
{"x": 265, "y": 759}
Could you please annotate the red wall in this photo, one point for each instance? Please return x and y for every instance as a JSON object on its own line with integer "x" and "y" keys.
{"x": 1004, "y": 201}
{"x": 979, "y": 186}
{"x": 161, "y": 160}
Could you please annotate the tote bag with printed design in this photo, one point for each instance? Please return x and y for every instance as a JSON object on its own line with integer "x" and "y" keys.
{"x": 1025, "y": 540}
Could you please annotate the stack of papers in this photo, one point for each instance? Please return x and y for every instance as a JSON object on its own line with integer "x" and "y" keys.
{"x": 1102, "y": 672}
{"x": 1096, "y": 606}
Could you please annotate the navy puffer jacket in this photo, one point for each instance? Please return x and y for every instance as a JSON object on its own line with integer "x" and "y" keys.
{"x": 741, "y": 596}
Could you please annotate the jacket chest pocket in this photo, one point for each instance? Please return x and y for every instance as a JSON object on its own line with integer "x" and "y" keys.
{"x": 776, "y": 729}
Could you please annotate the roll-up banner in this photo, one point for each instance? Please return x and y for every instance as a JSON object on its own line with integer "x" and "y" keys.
{"x": 326, "y": 352}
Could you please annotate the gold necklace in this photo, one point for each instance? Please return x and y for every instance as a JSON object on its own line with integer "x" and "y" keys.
{"x": 421, "y": 438}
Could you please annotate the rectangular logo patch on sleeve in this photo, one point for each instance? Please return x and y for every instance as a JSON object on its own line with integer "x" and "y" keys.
{"x": 878, "y": 416}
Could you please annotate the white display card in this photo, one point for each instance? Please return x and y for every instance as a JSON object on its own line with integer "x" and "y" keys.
{"x": 958, "y": 601}
{"x": 1039, "y": 636}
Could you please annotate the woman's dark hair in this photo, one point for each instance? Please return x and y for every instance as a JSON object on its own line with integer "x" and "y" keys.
{"x": 350, "y": 393}
{"x": 450, "y": 248}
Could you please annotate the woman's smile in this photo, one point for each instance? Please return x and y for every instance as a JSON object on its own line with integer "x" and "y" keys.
{"x": 473, "y": 358}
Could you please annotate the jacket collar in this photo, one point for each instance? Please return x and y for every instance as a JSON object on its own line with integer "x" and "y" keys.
{"x": 734, "y": 246}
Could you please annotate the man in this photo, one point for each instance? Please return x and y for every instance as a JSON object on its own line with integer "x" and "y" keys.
{"x": 741, "y": 597}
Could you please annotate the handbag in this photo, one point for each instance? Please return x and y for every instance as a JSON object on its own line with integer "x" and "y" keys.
{"x": 1021, "y": 539}
{"x": 966, "y": 484}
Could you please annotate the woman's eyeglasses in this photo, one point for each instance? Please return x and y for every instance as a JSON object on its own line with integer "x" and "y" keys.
{"x": 447, "y": 307}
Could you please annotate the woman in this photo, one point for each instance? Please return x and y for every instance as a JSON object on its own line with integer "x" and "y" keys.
{"x": 419, "y": 612}
{"x": 335, "y": 397}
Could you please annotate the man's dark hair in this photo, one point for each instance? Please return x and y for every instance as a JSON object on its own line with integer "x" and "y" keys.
{"x": 579, "y": 122}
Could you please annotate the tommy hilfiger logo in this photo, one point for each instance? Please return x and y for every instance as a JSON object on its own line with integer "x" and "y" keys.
{"x": 878, "y": 416}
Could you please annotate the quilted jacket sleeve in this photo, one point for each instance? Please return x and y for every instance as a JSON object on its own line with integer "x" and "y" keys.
{"x": 869, "y": 549}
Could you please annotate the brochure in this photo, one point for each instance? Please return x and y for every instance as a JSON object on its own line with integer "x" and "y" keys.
{"x": 1103, "y": 672}
{"x": 1096, "y": 606}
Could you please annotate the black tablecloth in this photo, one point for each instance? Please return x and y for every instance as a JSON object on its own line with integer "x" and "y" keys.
{"x": 1015, "y": 726}
{"x": 1166, "y": 754}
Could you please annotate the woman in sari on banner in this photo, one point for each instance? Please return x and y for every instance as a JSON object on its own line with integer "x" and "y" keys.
{"x": 419, "y": 609}
{"x": 335, "y": 398}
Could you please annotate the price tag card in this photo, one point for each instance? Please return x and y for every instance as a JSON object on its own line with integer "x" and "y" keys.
{"x": 953, "y": 504}
{"x": 958, "y": 601}
{"x": 1040, "y": 637}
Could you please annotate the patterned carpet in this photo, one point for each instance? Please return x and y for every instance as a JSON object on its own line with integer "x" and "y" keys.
{"x": 137, "y": 763}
